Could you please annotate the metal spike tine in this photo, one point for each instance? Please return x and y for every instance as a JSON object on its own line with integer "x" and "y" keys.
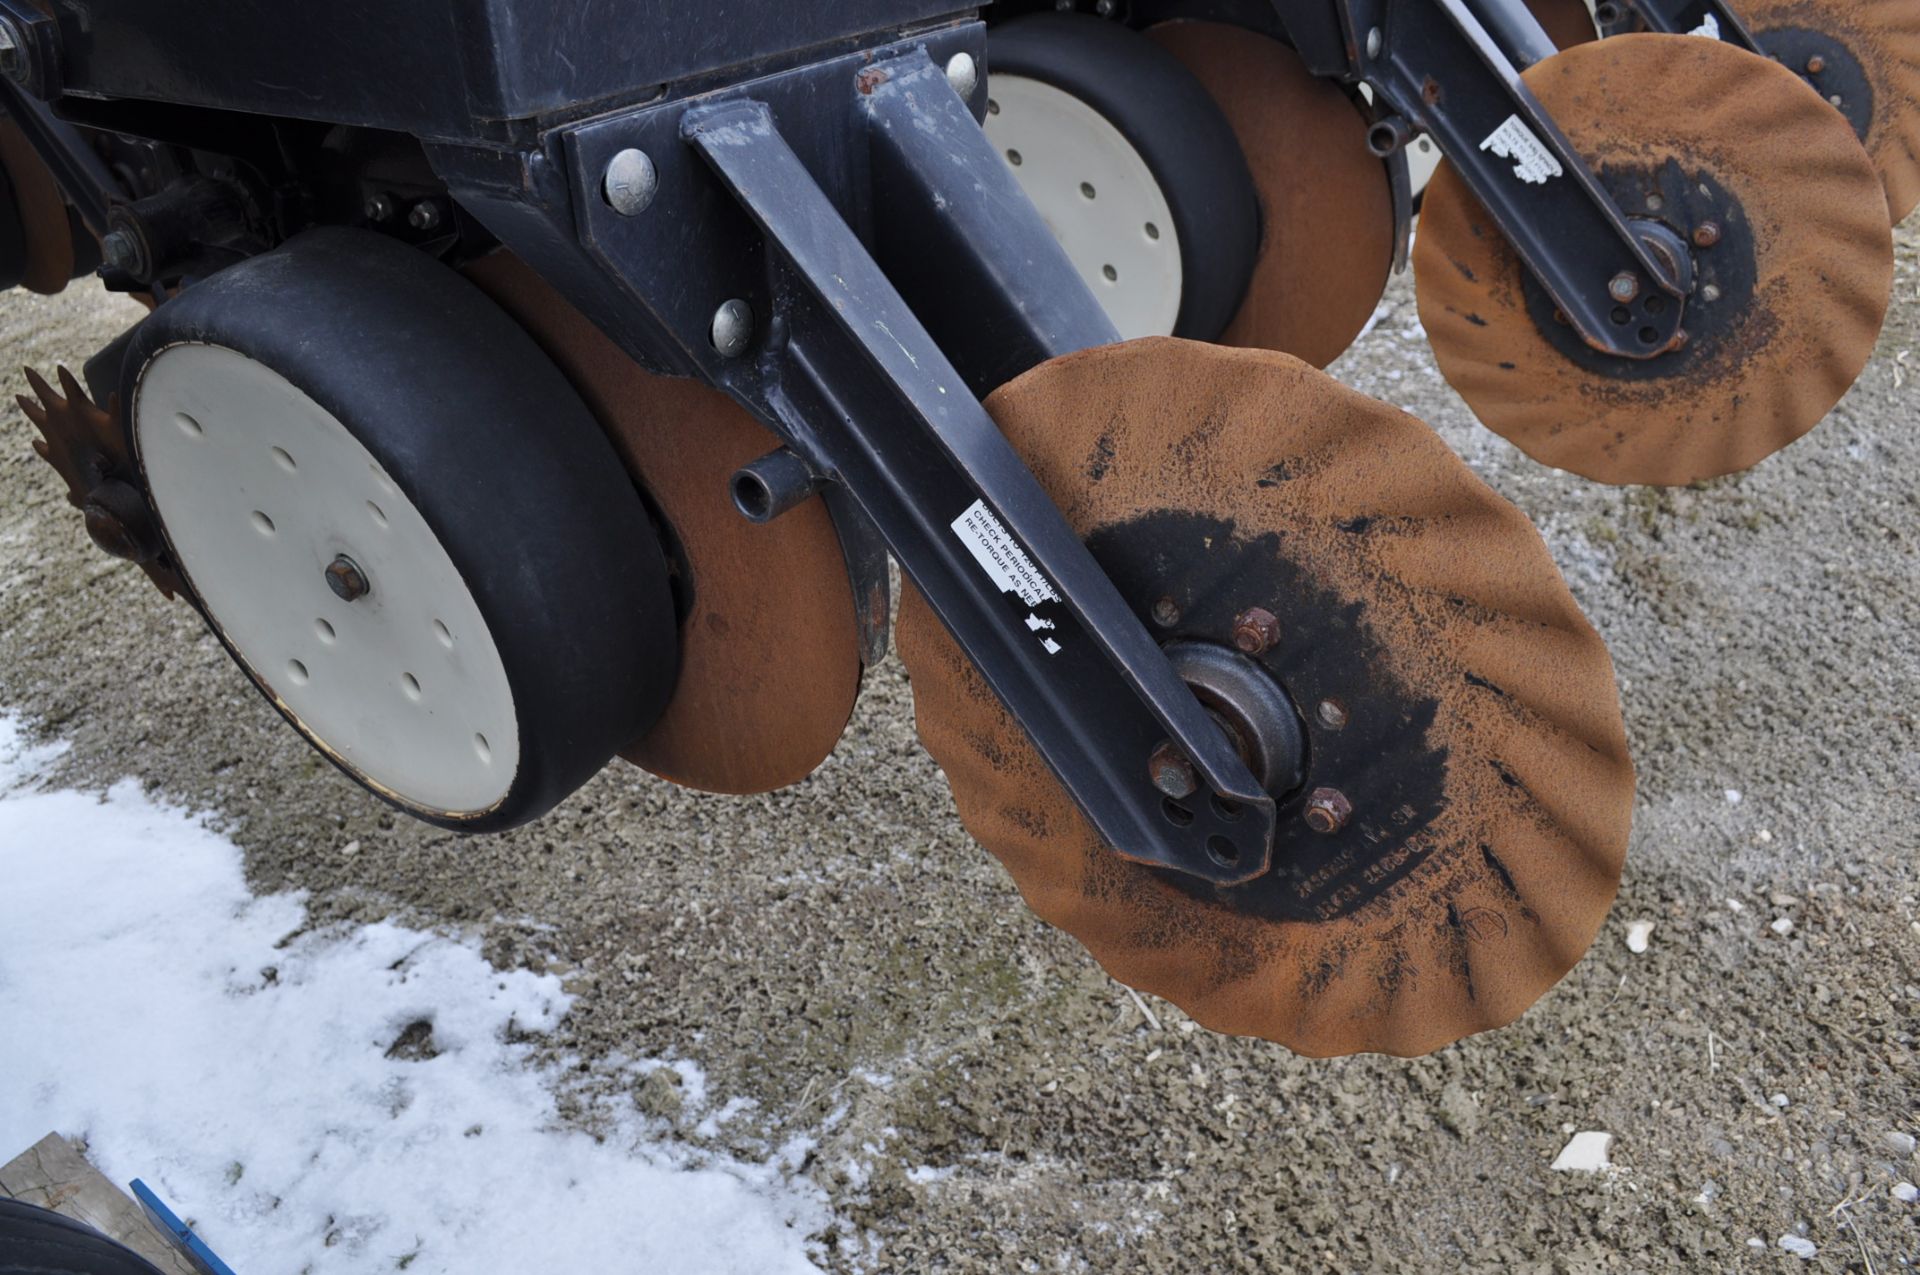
{"x": 39, "y": 384}
{"x": 70, "y": 386}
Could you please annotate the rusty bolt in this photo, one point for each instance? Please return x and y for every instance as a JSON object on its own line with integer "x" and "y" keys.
{"x": 1255, "y": 630}
{"x": 1624, "y": 286}
{"x": 1166, "y": 613}
{"x": 346, "y": 579}
{"x": 1328, "y": 810}
{"x": 1706, "y": 234}
{"x": 1816, "y": 64}
{"x": 1172, "y": 773}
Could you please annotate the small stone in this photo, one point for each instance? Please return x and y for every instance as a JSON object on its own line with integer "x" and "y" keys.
{"x": 1586, "y": 1153}
{"x": 1783, "y": 926}
{"x": 1764, "y": 836}
{"x": 1804, "y": 1249}
{"x": 1459, "y": 1113}
{"x": 1781, "y": 899}
{"x": 1779, "y": 1100}
{"x": 659, "y": 1094}
{"x": 1755, "y": 1243}
{"x": 1901, "y": 1144}
{"x": 1735, "y": 905}
{"x": 350, "y": 849}
{"x": 1906, "y": 1192}
{"x": 1637, "y": 933}
{"x": 1733, "y": 797}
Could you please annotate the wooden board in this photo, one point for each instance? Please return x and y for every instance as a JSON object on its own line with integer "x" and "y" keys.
{"x": 53, "y": 1174}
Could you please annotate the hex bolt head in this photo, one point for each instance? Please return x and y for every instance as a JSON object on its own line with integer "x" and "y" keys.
{"x": 1816, "y": 64}
{"x": 630, "y": 183}
{"x": 1624, "y": 286}
{"x": 1710, "y": 293}
{"x": 120, "y": 248}
{"x": 347, "y": 580}
{"x": 732, "y": 329}
{"x": 1255, "y": 630}
{"x": 1332, "y": 714}
{"x": 1327, "y": 810}
{"x": 424, "y": 215}
{"x": 1172, "y": 773}
{"x": 963, "y": 73}
{"x": 1706, "y": 234}
{"x": 1166, "y": 612}
{"x": 379, "y": 207}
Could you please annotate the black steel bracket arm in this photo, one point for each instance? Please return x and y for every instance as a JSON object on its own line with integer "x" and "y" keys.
{"x": 1453, "y": 67}
{"x": 868, "y": 397}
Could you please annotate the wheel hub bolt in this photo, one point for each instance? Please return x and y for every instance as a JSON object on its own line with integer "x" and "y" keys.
{"x": 1166, "y": 613}
{"x": 346, "y": 579}
{"x": 1327, "y": 810}
{"x": 1706, "y": 234}
{"x": 1624, "y": 286}
{"x": 1816, "y": 64}
{"x": 1333, "y": 714}
{"x": 1255, "y": 630}
{"x": 1172, "y": 773}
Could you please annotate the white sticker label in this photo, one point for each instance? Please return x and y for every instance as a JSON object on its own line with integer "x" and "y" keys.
{"x": 1709, "y": 28}
{"x": 1009, "y": 567}
{"x": 1532, "y": 162}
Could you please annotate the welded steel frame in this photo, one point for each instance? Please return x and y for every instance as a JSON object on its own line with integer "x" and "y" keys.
{"x": 821, "y": 170}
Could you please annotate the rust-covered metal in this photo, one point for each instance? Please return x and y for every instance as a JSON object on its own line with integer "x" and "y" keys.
{"x": 1567, "y": 22}
{"x": 44, "y": 221}
{"x": 87, "y": 446}
{"x": 1326, "y": 205}
{"x": 1883, "y": 36}
{"x": 770, "y": 655}
{"x": 1460, "y": 833}
{"x": 1791, "y": 290}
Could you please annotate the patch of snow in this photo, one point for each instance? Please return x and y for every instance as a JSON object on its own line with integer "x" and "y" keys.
{"x": 925, "y": 1174}
{"x": 1586, "y": 1153}
{"x": 1637, "y": 934}
{"x": 153, "y": 1008}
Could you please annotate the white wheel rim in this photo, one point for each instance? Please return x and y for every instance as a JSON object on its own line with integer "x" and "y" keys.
{"x": 260, "y": 489}
{"x": 1098, "y": 197}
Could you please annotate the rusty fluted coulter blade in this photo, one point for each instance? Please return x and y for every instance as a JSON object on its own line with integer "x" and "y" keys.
{"x": 1460, "y": 833}
{"x": 1793, "y": 279}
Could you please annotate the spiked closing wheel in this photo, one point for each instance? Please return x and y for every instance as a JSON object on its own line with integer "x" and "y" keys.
{"x": 1864, "y": 56}
{"x": 1793, "y": 263}
{"x": 1460, "y": 831}
{"x": 770, "y": 659}
{"x": 1326, "y": 239}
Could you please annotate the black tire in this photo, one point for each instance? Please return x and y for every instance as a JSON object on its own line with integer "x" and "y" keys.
{"x": 37, "y": 1241}
{"x": 505, "y": 463}
{"x": 1176, "y": 127}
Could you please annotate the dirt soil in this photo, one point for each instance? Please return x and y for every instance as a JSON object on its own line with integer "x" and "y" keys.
{"x": 982, "y": 1098}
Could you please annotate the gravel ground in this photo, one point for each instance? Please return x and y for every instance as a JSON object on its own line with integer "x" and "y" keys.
{"x": 985, "y": 1099}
